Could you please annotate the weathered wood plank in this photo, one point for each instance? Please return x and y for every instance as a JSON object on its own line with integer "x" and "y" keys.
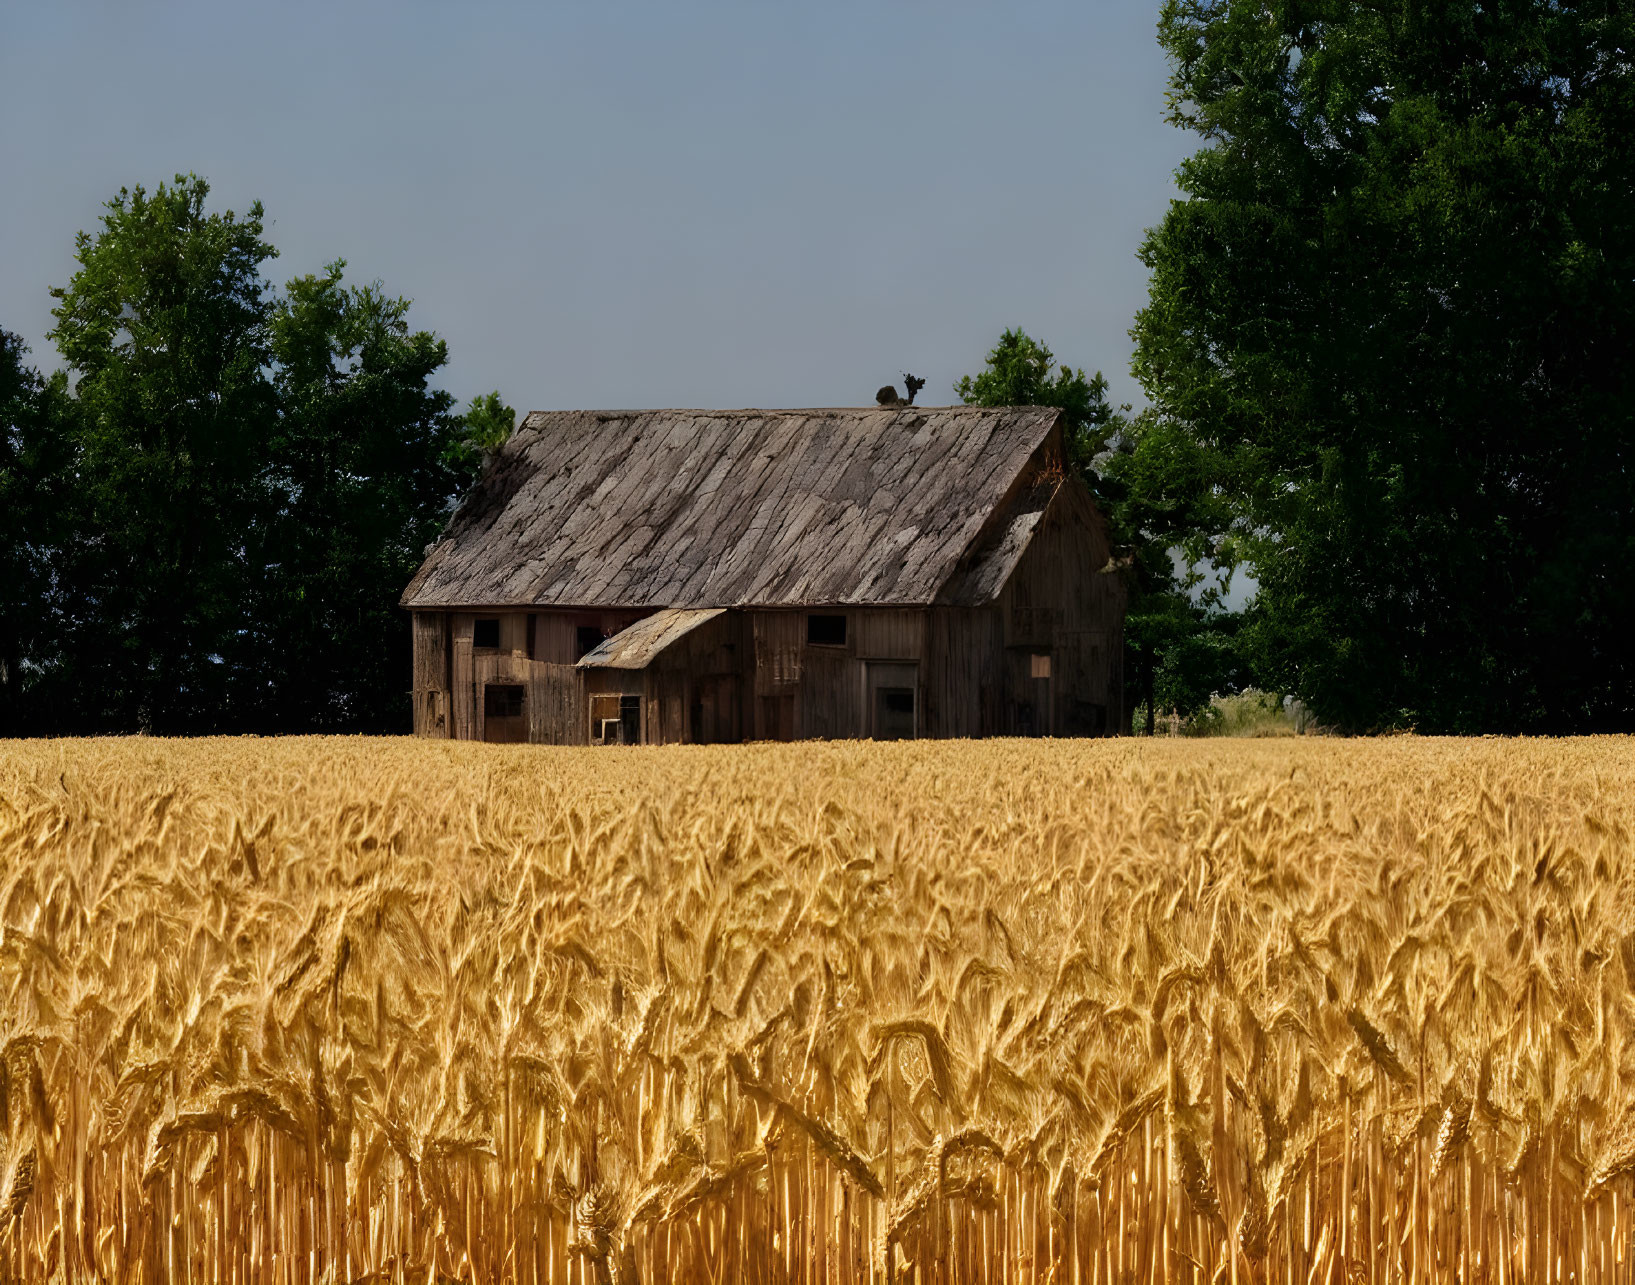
{"x": 430, "y": 677}
{"x": 462, "y": 697}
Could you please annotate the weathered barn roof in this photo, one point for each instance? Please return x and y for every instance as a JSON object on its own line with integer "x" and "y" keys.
{"x": 636, "y": 646}
{"x": 734, "y": 508}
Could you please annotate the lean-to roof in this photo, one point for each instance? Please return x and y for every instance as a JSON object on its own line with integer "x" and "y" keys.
{"x": 638, "y": 645}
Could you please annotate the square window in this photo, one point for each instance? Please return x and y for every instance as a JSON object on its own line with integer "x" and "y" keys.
{"x": 1041, "y": 666}
{"x": 826, "y": 631}
{"x": 485, "y": 634}
{"x": 589, "y": 638}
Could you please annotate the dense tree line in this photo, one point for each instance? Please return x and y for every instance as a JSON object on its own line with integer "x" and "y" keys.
{"x": 207, "y": 516}
{"x": 1390, "y": 345}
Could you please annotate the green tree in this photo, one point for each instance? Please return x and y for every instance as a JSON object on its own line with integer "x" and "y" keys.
{"x": 1182, "y": 645}
{"x": 487, "y": 423}
{"x": 164, "y": 326}
{"x": 237, "y": 490}
{"x": 1020, "y": 371}
{"x": 365, "y": 459}
{"x": 34, "y": 522}
{"x": 1391, "y": 320}
{"x": 1179, "y": 646}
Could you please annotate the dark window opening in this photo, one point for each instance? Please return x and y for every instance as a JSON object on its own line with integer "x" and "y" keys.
{"x": 630, "y": 720}
{"x": 532, "y": 632}
{"x": 893, "y": 713}
{"x": 826, "y": 631}
{"x": 485, "y": 634}
{"x": 589, "y": 638}
{"x": 502, "y": 700}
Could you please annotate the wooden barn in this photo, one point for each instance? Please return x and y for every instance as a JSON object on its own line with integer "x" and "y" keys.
{"x": 659, "y": 576}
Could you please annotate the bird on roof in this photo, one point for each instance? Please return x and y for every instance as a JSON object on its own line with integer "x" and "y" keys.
{"x": 887, "y": 396}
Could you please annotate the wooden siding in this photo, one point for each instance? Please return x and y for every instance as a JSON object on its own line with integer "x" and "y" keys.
{"x": 780, "y": 651}
{"x": 450, "y": 675}
{"x": 748, "y": 676}
{"x": 806, "y": 691}
{"x": 1061, "y": 602}
{"x": 963, "y": 680}
{"x": 556, "y": 638}
{"x": 695, "y": 687}
{"x": 557, "y": 712}
{"x": 462, "y": 692}
{"x": 431, "y": 674}
{"x": 888, "y": 634}
{"x": 556, "y": 633}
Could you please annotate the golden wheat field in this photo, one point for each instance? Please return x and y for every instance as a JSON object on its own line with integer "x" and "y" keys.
{"x": 344, "y": 1010}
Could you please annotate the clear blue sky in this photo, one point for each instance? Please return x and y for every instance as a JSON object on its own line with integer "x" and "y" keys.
{"x": 629, "y": 204}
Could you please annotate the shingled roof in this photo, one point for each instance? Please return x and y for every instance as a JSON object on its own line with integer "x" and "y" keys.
{"x": 700, "y": 509}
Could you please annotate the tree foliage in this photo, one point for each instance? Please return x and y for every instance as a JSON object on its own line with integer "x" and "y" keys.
{"x": 164, "y": 328}
{"x": 1391, "y": 322}
{"x": 210, "y": 530}
{"x": 361, "y": 467}
{"x": 34, "y": 511}
{"x": 1021, "y": 371}
{"x": 1182, "y": 644}
{"x": 488, "y": 423}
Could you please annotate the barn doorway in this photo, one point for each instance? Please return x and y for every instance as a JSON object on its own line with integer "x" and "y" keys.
{"x": 505, "y": 713}
{"x": 892, "y": 700}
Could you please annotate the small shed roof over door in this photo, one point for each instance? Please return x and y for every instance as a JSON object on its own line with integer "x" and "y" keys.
{"x": 643, "y": 642}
